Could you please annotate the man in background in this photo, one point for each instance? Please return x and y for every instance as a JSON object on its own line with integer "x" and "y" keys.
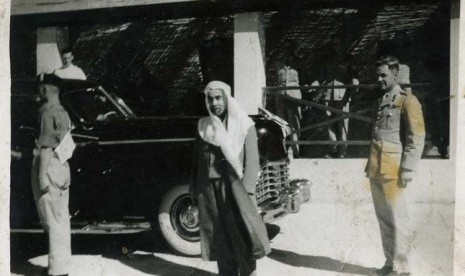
{"x": 69, "y": 70}
{"x": 337, "y": 98}
{"x": 287, "y": 110}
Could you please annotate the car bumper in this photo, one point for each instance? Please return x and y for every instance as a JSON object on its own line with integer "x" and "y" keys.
{"x": 289, "y": 201}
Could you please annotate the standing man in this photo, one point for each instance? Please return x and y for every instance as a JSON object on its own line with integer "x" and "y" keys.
{"x": 287, "y": 110}
{"x": 69, "y": 70}
{"x": 226, "y": 167}
{"x": 50, "y": 177}
{"x": 338, "y": 98}
{"x": 398, "y": 140}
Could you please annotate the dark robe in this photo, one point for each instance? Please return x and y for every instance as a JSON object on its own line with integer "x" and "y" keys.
{"x": 227, "y": 207}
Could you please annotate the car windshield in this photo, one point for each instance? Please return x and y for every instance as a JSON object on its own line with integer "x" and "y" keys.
{"x": 93, "y": 104}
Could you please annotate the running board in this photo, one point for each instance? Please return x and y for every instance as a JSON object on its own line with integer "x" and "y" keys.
{"x": 104, "y": 228}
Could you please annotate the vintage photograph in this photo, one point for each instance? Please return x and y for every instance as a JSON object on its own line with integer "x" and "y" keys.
{"x": 214, "y": 137}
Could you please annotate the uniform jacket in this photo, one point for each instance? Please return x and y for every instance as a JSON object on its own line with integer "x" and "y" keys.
{"x": 53, "y": 124}
{"x": 398, "y": 135}
{"x": 243, "y": 194}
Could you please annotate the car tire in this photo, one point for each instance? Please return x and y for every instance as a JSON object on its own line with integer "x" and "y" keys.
{"x": 179, "y": 229}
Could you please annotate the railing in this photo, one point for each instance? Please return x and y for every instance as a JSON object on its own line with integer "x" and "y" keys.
{"x": 360, "y": 115}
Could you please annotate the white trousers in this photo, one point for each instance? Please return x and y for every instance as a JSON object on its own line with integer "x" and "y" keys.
{"x": 392, "y": 211}
{"x": 53, "y": 211}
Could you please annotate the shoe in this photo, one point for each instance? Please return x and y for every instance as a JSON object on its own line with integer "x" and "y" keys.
{"x": 341, "y": 156}
{"x": 328, "y": 156}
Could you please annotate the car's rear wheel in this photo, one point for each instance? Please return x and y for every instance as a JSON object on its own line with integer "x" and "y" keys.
{"x": 179, "y": 221}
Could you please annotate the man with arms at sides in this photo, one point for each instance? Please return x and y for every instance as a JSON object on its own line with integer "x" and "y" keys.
{"x": 226, "y": 168}
{"x": 69, "y": 70}
{"x": 51, "y": 178}
{"x": 287, "y": 110}
{"x": 398, "y": 140}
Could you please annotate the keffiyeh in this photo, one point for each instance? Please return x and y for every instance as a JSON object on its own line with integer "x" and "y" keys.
{"x": 231, "y": 140}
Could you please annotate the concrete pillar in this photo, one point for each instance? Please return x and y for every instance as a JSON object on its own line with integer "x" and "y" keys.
{"x": 457, "y": 53}
{"x": 50, "y": 40}
{"x": 249, "y": 60}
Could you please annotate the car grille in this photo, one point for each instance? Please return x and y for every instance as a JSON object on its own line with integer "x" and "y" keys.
{"x": 273, "y": 179}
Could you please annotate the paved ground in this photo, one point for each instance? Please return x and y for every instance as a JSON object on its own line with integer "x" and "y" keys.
{"x": 336, "y": 234}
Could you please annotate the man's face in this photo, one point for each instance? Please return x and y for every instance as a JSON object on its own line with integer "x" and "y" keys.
{"x": 217, "y": 102}
{"x": 387, "y": 78}
{"x": 67, "y": 59}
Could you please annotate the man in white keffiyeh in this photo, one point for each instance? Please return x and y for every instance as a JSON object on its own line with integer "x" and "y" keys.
{"x": 226, "y": 168}
{"x": 227, "y": 125}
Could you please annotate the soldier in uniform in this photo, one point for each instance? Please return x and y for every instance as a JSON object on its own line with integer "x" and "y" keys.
{"x": 51, "y": 178}
{"x": 287, "y": 110}
{"x": 398, "y": 140}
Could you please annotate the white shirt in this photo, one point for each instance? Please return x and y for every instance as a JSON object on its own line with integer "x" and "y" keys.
{"x": 70, "y": 72}
{"x": 334, "y": 94}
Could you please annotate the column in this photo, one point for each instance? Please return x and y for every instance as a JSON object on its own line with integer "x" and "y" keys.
{"x": 249, "y": 60}
{"x": 50, "y": 40}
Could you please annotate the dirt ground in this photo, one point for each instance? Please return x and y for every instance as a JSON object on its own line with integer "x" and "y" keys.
{"x": 335, "y": 234}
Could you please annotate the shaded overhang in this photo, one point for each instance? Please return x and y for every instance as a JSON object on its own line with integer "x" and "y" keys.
{"x": 56, "y": 12}
{"x": 30, "y": 7}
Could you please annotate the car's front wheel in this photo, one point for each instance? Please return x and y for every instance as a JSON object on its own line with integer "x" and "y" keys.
{"x": 179, "y": 221}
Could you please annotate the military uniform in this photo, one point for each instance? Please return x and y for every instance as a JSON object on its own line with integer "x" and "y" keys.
{"x": 52, "y": 206}
{"x": 337, "y": 98}
{"x": 287, "y": 110}
{"x": 398, "y": 140}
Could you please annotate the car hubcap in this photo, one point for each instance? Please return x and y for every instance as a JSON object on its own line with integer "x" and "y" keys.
{"x": 185, "y": 218}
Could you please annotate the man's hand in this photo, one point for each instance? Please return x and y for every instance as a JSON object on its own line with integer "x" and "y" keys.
{"x": 45, "y": 155}
{"x": 405, "y": 177}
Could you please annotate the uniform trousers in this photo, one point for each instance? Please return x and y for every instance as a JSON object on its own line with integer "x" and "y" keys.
{"x": 337, "y": 131}
{"x": 391, "y": 207}
{"x": 233, "y": 251}
{"x": 53, "y": 213}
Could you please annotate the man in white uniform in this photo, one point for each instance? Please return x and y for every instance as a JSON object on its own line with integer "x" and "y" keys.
{"x": 69, "y": 70}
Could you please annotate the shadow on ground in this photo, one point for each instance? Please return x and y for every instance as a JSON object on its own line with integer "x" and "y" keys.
{"x": 272, "y": 230}
{"x": 29, "y": 270}
{"x": 27, "y": 246}
{"x": 318, "y": 262}
{"x": 150, "y": 264}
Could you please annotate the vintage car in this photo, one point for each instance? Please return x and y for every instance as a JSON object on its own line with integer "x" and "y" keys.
{"x": 130, "y": 173}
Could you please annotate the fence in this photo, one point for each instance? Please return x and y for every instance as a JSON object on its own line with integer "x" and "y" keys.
{"x": 362, "y": 113}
